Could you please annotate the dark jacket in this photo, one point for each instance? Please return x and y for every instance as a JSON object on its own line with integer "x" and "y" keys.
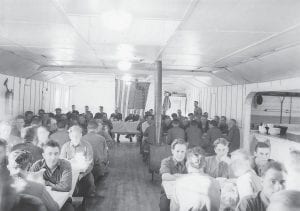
{"x": 234, "y": 138}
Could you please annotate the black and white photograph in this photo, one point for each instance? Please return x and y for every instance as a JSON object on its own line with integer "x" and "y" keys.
{"x": 149, "y": 105}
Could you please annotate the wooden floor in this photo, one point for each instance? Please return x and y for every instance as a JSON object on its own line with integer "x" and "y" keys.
{"x": 128, "y": 185}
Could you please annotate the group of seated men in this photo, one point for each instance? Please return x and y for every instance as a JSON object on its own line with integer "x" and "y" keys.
{"x": 257, "y": 183}
{"x": 196, "y": 130}
{"x": 42, "y": 153}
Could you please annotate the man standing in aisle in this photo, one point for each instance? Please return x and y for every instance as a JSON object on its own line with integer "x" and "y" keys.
{"x": 197, "y": 109}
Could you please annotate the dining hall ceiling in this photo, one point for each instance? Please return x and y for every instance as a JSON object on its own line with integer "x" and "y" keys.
{"x": 200, "y": 42}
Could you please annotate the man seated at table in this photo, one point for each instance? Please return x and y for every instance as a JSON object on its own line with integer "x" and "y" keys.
{"x": 175, "y": 132}
{"x": 261, "y": 157}
{"x": 218, "y": 165}
{"x": 172, "y": 168}
{"x": 196, "y": 190}
{"x": 286, "y": 200}
{"x": 61, "y": 135}
{"x": 100, "y": 148}
{"x": 212, "y": 134}
{"x": 58, "y": 172}
{"x": 273, "y": 176}
{"x": 80, "y": 152}
{"x": 194, "y": 135}
{"x": 19, "y": 162}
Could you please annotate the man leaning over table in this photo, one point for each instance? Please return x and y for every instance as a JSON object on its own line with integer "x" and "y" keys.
{"x": 80, "y": 153}
{"x": 57, "y": 172}
{"x": 172, "y": 168}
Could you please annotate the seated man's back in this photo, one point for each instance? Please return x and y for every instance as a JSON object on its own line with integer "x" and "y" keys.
{"x": 98, "y": 144}
{"x": 39, "y": 191}
{"x": 197, "y": 191}
{"x": 30, "y": 147}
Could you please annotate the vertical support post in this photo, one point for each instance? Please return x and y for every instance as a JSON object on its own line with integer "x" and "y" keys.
{"x": 158, "y": 100}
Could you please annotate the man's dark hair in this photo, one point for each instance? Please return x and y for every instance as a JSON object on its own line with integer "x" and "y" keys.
{"x": 224, "y": 117}
{"x": 178, "y": 141}
{"x": 262, "y": 145}
{"x": 52, "y": 143}
{"x": 174, "y": 115}
{"x": 61, "y": 124}
{"x": 51, "y": 115}
{"x": 190, "y": 114}
{"x": 28, "y": 112}
{"x": 58, "y": 109}
{"x": 22, "y": 158}
{"x": 273, "y": 165}
{"x": 213, "y": 123}
{"x": 233, "y": 120}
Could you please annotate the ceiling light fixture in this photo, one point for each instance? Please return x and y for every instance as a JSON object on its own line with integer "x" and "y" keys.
{"x": 124, "y": 65}
{"x": 116, "y": 20}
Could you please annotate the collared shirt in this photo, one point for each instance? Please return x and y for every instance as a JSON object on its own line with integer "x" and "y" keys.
{"x": 61, "y": 136}
{"x": 216, "y": 168}
{"x": 257, "y": 202}
{"x": 197, "y": 111}
{"x": 174, "y": 133}
{"x": 258, "y": 168}
{"x": 30, "y": 147}
{"x": 60, "y": 179}
{"x": 99, "y": 146}
{"x": 68, "y": 151}
{"x": 171, "y": 166}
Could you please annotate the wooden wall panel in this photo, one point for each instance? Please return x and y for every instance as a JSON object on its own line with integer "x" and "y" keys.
{"x": 31, "y": 95}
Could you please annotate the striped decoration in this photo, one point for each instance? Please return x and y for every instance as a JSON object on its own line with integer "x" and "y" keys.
{"x": 128, "y": 96}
